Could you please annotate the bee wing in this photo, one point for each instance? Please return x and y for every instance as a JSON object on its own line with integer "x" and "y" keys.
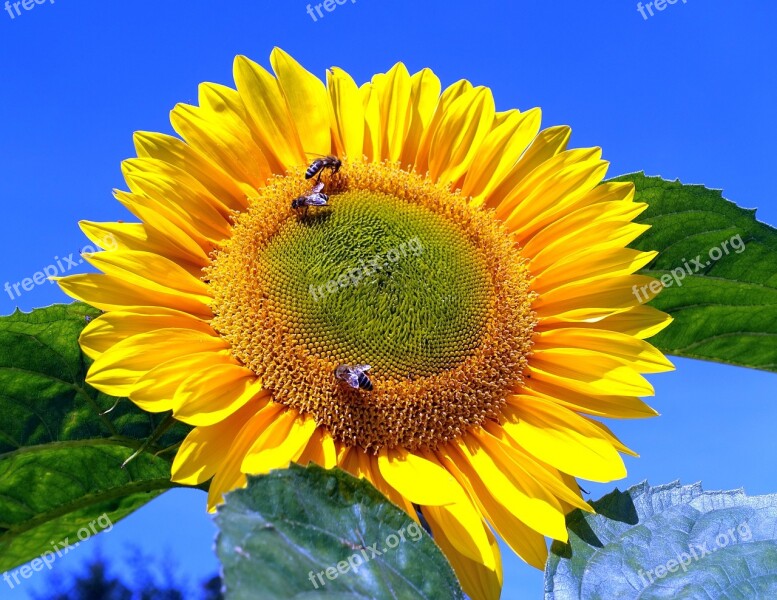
{"x": 317, "y": 199}
{"x": 317, "y": 188}
{"x": 352, "y": 379}
{"x": 346, "y": 373}
{"x": 362, "y": 368}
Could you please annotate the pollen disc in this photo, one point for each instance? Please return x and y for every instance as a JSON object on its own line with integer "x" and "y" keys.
{"x": 394, "y": 272}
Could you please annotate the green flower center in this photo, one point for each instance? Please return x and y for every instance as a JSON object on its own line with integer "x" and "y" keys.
{"x": 395, "y": 272}
{"x": 372, "y": 279}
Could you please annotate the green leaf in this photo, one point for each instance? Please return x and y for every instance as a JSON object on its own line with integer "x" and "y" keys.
{"x": 309, "y": 532}
{"x": 668, "y": 542}
{"x": 60, "y": 458}
{"x": 723, "y": 296}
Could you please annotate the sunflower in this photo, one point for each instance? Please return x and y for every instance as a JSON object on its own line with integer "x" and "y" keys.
{"x": 476, "y": 265}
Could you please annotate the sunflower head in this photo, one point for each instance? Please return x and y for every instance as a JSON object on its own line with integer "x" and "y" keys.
{"x": 400, "y": 282}
{"x": 396, "y": 272}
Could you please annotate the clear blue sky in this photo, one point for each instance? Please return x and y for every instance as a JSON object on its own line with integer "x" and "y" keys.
{"x": 688, "y": 93}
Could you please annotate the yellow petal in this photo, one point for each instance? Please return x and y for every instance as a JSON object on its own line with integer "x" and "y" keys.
{"x": 513, "y": 459}
{"x": 348, "y": 121}
{"x": 548, "y": 143}
{"x": 113, "y": 235}
{"x": 591, "y": 216}
{"x": 217, "y": 128}
{"x": 155, "y": 391}
{"x": 597, "y": 262}
{"x": 373, "y": 131}
{"x": 177, "y": 153}
{"x": 604, "y": 295}
{"x": 111, "y": 328}
{"x": 598, "y": 405}
{"x": 561, "y": 438}
{"x": 522, "y": 539}
{"x": 465, "y": 527}
{"x": 459, "y": 135}
{"x": 207, "y": 397}
{"x": 110, "y": 293}
{"x": 116, "y": 371}
{"x": 349, "y": 461}
{"x": 564, "y": 171}
{"x": 450, "y": 95}
{"x": 478, "y": 579}
{"x": 307, "y": 100}
{"x": 243, "y": 157}
{"x": 554, "y": 189}
{"x": 320, "y": 450}
{"x": 418, "y": 479}
{"x": 362, "y": 464}
{"x": 640, "y": 321}
{"x": 229, "y": 476}
{"x": 151, "y": 272}
{"x": 183, "y": 206}
{"x": 282, "y": 442}
{"x": 600, "y": 233}
{"x": 136, "y": 236}
{"x": 424, "y": 94}
{"x": 501, "y": 149}
{"x": 612, "y": 191}
{"x": 629, "y": 350}
{"x": 196, "y": 199}
{"x": 268, "y": 114}
{"x": 205, "y": 448}
{"x": 528, "y": 502}
{"x": 394, "y": 103}
{"x": 587, "y": 371}
{"x": 612, "y": 438}
{"x": 166, "y": 224}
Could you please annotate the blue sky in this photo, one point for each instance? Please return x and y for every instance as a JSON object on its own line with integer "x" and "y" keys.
{"x": 688, "y": 93}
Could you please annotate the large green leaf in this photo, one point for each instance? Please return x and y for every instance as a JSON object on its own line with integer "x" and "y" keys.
{"x": 60, "y": 457}
{"x": 668, "y": 542}
{"x": 310, "y": 533}
{"x": 723, "y": 295}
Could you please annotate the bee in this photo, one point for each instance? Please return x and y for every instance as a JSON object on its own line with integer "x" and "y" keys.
{"x": 354, "y": 376}
{"x": 314, "y": 198}
{"x": 326, "y": 162}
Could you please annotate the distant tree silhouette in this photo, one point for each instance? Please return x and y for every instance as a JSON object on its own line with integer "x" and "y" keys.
{"x": 212, "y": 589}
{"x": 96, "y": 583}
